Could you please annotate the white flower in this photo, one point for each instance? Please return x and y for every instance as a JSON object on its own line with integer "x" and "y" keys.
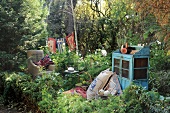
{"x": 104, "y": 52}
{"x": 127, "y": 16}
{"x": 158, "y": 42}
{"x": 8, "y": 79}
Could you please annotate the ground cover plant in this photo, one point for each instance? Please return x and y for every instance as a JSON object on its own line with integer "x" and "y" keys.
{"x": 44, "y": 94}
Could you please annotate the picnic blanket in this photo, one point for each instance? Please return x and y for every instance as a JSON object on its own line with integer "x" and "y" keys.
{"x": 77, "y": 90}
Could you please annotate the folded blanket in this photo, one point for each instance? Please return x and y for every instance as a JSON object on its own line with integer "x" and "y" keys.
{"x": 80, "y": 91}
{"x": 44, "y": 62}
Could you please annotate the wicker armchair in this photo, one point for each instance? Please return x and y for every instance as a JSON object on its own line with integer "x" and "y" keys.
{"x": 35, "y": 56}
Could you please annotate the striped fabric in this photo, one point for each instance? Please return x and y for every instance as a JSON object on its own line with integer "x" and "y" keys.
{"x": 60, "y": 44}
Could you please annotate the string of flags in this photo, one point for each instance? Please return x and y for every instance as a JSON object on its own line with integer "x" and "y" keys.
{"x": 60, "y": 43}
{"x": 71, "y": 42}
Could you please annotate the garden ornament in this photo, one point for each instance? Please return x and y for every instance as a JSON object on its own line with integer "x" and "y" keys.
{"x": 70, "y": 69}
{"x": 125, "y": 49}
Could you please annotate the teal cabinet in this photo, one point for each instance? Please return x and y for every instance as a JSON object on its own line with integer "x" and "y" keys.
{"x": 132, "y": 67}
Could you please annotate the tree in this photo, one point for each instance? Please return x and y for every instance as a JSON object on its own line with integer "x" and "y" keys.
{"x": 22, "y": 27}
{"x": 91, "y": 22}
{"x": 69, "y": 22}
{"x": 56, "y": 18}
{"x": 126, "y": 22}
{"x": 60, "y": 19}
{"x": 103, "y": 23}
{"x": 35, "y": 14}
{"x": 160, "y": 9}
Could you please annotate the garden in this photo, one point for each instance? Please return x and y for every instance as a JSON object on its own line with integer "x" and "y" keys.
{"x": 100, "y": 29}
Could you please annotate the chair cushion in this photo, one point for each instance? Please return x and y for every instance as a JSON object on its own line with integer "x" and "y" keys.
{"x": 45, "y": 61}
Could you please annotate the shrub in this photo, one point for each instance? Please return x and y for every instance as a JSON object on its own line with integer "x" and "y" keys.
{"x": 139, "y": 100}
{"x": 89, "y": 67}
{"x": 20, "y": 86}
{"x": 158, "y": 55}
{"x": 160, "y": 81}
{"x": 43, "y": 93}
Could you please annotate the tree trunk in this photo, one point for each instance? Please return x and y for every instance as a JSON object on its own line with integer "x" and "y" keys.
{"x": 70, "y": 23}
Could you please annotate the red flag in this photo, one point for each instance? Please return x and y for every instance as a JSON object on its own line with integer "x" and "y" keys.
{"x": 52, "y": 45}
{"x": 70, "y": 41}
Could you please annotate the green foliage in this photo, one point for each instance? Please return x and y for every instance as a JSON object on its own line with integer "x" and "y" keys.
{"x": 94, "y": 64}
{"x": 158, "y": 55}
{"x": 65, "y": 60}
{"x": 76, "y": 104}
{"x": 139, "y": 100}
{"x": 131, "y": 96}
{"x": 20, "y": 24}
{"x": 71, "y": 105}
{"x": 11, "y": 90}
{"x": 49, "y": 102}
{"x": 1, "y": 101}
{"x": 150, "y": 27}
{"x": 159, "y": 69}
{"x": 10, "y": 20}
{"x": 35, "y": 14}
{"x": 88, "y": 67}
{"x": 157, "y": 26}
{"x": 22, "y": 27}
{"x": 20, "y": 86}
{"x": 56, "y": 19}
{"x": 127, "y": 22}
{"x": 6, "y": 60}
{"x": 134, "y": 99}
{"x": 160, "y": 81}
{"x": 45, "y": 92}
{"x": 95, "y": 27}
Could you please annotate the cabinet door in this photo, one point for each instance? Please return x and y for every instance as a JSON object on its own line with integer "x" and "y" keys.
{"x": 140, "y": 68}
{"x": 125, "y": 68}
{"x": 116, "y": 65}
{"x": 121, "y": 66}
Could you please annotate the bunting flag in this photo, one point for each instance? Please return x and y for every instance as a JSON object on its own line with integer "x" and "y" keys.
{"x": 60, "y": 44}
{"x": 52, "y": 45}
{"x": 70, "y": 41}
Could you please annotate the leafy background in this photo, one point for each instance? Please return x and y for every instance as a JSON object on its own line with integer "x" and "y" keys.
{"x": 101, "y": 24}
